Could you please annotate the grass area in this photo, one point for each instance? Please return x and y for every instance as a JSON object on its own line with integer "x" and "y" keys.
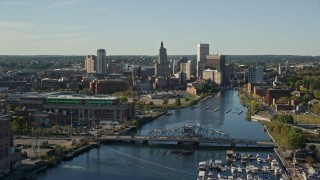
{"x": 306, "y": 118}
{"x": 264, "y": 114}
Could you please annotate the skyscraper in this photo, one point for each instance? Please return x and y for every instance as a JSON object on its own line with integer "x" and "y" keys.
{"x": 202, "y": 52}
{"x": 162, "y": 66}
{"x": 101, "y": 62}
{"x": 90, "y": 63}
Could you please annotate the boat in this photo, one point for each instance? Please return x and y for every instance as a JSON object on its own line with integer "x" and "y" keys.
{"x": 216, "y": 110}
{"x": 228, "y": 111}
{"x": 169, "y": 113}
{"x": 244, "y": 158}
{"x": 193, "y": 107}
{"x": 239, "y": 170}
{"x": 270, "y": 157}
{"x": 229, "y": 155}
{"x": 248, "y": 169}
{"x": 249, "y": 177}
{"x": 255, "y": 170}
{"x": 240, "y": 112}
{"x": 233, "y": 170}
{"x": 274, "y": 163}
{"x": 205, "y": 108}
{"x": 261, "y": 160}
{"x": 277, "y": 170}
{"x": 265, "y": 169}
{"x": 202, "y": 166}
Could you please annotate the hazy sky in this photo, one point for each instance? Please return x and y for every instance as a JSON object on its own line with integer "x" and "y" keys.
{"x": 136, "y": 27}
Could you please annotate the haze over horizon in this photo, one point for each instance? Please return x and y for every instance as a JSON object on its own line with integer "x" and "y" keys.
{"x": 124, "y": 27}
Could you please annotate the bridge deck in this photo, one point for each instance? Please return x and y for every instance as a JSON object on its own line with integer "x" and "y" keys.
{"x": 187, "y": 139}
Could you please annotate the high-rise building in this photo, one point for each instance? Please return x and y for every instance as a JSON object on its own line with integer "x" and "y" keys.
{"x": 114, "y": 67}
{"x": 255, "y": 74}
{"x": 202, "y": 52}
{"x": 101, "y": 62}
{"x": 216, "y": 62}
{"x": 186, "y": 68}
{"x": 162, "y": 66}
{"x": 90, "y": 63}
{"x": 10, "y": 158}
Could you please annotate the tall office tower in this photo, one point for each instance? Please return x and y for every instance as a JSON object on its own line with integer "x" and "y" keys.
{"x": 202, "y": 52}
{"x": 162, "y": 67}
{"x": 90, "y": 63}
{"x": 101, "y": 62}
{"x": 255, "y": 74}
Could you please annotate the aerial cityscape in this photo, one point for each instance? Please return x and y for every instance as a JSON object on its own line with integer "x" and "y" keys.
{"x": 202, "y": 90}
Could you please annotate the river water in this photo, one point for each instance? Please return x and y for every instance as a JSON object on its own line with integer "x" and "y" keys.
{"x": 138, "y": 161}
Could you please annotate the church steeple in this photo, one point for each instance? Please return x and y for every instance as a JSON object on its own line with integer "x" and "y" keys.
{"x": 161, "y": 44}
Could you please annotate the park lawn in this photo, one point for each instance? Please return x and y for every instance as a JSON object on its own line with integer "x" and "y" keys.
{"x": 306, "y": 118}
{"x": 264, "y": 114}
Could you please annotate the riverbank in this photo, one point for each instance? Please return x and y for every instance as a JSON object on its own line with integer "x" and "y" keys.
{"x": 50, "y": 156}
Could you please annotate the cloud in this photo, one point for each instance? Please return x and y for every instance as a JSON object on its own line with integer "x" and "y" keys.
{"x": 62, "y": 4}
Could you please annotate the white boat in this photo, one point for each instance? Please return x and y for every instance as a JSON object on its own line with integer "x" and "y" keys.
{"x": 244, "y": 158}
{"x": 255, "y": 170}
{"x": 202, "y": 165}
{"x": 233, "y": 170}
{"x": 248, "y": 169}
{"x": 277, "y": 170}
{"x": 274, "y": 163}
{"x": 249, "y": 177}
{"x": 265, "y": 169}
{"x": 270, "y": 157}
{"x": 239, "y": 170}
{"x": 261, "y": 160}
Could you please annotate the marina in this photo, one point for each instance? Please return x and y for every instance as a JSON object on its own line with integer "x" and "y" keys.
{"x": 246, "y": 168}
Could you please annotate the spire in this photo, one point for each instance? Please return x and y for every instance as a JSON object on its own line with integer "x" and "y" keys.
{"x": 161, "y": 44}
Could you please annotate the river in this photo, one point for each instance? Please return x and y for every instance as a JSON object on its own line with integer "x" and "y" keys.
{"x": 138, "y": 161}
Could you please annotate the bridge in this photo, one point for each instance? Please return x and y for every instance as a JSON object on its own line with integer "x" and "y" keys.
{"x": 191, "y": 134}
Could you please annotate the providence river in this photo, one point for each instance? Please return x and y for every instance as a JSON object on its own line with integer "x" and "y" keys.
{"x": 138, "y": 161}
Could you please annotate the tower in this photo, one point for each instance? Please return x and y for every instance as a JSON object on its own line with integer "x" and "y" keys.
{"x": 162, "y": 66}
{"x": 202, "y": 52}
{"x": 101, "y": 62}
{"x": 279, "y": 69}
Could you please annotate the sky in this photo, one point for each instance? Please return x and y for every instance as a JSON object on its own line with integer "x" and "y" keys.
{"x": 136, "y": 27}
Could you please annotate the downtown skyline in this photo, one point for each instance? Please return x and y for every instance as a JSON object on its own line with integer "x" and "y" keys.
{"x": 79, "y": 27}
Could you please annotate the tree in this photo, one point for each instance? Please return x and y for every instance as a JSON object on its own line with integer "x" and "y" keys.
{"x": 312, "y": 147}
{"x": 307, "y": 97}
{"x": 316, "y": 94}
{"x": 165, "y": 101}
{"x": 123, "y": 99}
{"x": 310, "y": 160}
{"x": 296, "y": 139}
{"x": 18, "y": 124}
{"x": 254, "y": 105}
{"x": 177, "y": 102}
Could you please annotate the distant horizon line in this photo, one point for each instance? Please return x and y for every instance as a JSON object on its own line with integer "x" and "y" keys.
{"x": 172, "y": 55}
